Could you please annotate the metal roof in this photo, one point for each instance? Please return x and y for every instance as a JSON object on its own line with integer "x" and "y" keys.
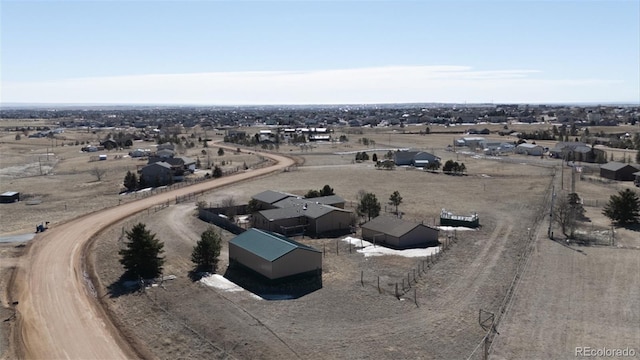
{"x": 9, "y": 193}
{"x": 270, "y": 196}
{"x": 300, "y": 207}
{"x": 267, "y": 245}
{"x": 615, "y": 166}
{"x": 391, "y": 226}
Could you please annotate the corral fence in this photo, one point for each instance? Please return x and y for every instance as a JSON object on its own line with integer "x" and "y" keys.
{"x": 404, "y": 287}
{"x": 589, "y": 235}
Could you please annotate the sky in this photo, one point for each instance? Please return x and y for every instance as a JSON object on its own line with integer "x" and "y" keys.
{"x": 319, "y": 52}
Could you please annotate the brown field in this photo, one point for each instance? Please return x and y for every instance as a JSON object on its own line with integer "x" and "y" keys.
{"x": 436, "y": 318}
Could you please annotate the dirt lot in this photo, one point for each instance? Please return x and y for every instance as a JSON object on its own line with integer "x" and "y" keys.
{"x": 346, "y": 319}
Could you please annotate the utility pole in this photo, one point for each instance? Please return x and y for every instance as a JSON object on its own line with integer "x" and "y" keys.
{"x": 553, "y": 197}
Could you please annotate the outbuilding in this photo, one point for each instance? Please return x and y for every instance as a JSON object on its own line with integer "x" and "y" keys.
{"x": 399, "y": 233}
{"x": 530, "y": 149}
{"x": 274, "y": 256}
{"x": 618, "y": 171}
{"x": 9, "y": 197}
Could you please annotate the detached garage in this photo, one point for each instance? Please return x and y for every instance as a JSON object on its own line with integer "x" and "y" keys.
{"x": 618, "y": 171}
{"x": 398, "y": 233}
{"x": 274, "y": 256}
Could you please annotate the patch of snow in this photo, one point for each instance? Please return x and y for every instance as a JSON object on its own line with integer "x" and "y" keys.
{"x": 368, "y": 249}
{"x": 219, "y": 282}
{"x": 457, "y": 228}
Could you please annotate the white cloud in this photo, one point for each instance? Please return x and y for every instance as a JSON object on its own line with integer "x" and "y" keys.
{"x": 392, "y": 84}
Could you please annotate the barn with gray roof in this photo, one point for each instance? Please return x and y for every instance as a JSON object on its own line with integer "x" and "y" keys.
{"x": 274, "y": 256}
{"x": 618, "y": 171}
{"x": 398, "y": 233}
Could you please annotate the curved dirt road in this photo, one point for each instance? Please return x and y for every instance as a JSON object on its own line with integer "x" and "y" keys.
{"x": 59, "y": 316}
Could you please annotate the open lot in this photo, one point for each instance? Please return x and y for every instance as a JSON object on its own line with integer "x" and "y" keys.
{"x": 436, "y": 318}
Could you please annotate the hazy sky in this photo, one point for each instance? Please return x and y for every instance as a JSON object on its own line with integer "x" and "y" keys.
{"x": 319, "y": 52}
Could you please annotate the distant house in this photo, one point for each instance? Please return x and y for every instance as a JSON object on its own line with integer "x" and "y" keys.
{"x": 109, "y": 144}
{"x": 166, "y": 146}
{"x": 577, "y": 151}
{"x": 423, "y": 159}
{"x": 399, "y": 233}
{"x": 404, "y": 158}
{"x": 157, "y": 174}
{"x": 274, "y": 256}
{"x": 473, "y": 141}
{"x": 530, "y": 149}
{"x": 636, "y": 181}
{"x": 182, "y": 163}
{"x": 619, "y": 171}
{"x": 165, "y": 153}
{"x": 138, "y": 153}
{"x": 414, "y": 158}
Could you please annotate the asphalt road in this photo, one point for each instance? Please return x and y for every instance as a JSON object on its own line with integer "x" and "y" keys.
{"x": 59, "y": 316}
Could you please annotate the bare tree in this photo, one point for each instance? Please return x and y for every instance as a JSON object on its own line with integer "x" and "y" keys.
{"x": 229, "y": 203}
{"x": 98, "y": 173}
{"x": 568, "y": 211}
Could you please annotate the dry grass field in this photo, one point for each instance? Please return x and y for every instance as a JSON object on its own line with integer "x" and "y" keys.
{"x": 436, "y": 318}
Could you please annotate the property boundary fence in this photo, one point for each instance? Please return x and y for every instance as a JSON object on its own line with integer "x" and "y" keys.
{"x": 400, "y": 288}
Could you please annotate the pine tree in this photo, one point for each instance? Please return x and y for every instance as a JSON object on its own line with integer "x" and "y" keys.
{"x": 207, "y": 250}
{"x": 217, "y": 172}
{"x": 623, "y": 208}
{"x": 369, "y": 206}
{"x": 130, "y": 181}
{"x": 141, "y": 258}
{"x": 395, "y": 199}
{"x": 326, "y": 191}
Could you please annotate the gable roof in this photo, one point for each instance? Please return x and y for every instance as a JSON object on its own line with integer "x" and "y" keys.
{"x": 267, "y": 245}
{"x": 294, "y": 207}
{"x": 270, "y": 196}
{"x": 404, "y": 155}
{"x": 529, "y": 146}
{"x": 615, "y": 166}
{"x": 160, "y": 164}
{"x": 392, "y": 226}
{"x": 328, "y": 200}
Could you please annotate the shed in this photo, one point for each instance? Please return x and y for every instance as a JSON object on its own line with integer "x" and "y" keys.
{"x": 618, "y": 171}
{"x": 529, "y": 149}
{"x": 9, "y": 197}
{"x": 274, "y": 256}
{"x": 399, "y": 233}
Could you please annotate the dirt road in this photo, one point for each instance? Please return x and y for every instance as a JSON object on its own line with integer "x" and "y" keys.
{"x": 58, "y": 314}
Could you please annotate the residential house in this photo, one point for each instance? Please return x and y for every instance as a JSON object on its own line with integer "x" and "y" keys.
{"x": 297, "y": 216}
{"x": 266, "y": 199}
{"x": 157, "y": 174}
{"x": 529, "y": 149}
